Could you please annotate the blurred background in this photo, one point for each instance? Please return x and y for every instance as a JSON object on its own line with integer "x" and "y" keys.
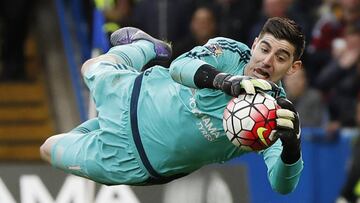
{"x": 44, "y": 43}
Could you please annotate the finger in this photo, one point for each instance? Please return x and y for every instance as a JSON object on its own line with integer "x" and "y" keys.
{"x": 284, "y": 123}
{"x": 248, "y": 86}
{"x": 285, "y": 104}
{"x": 261, "y": 84}
{"x": 272, "y": 135}
{"x": 283, "y": 134}
{"x": 285, "y": 113}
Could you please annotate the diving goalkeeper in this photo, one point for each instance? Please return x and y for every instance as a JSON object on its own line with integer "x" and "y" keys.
{"x": 160, "y": 124}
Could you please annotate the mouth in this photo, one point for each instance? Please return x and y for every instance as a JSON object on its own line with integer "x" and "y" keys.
{"x": 261, "y": 74}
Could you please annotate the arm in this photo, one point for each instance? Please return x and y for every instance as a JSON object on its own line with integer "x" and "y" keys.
{"x": 283, "y": 177}
{"x": 284, "y": 162}
{"x": 219, "y": 64}
{"x": 219, "y": 53}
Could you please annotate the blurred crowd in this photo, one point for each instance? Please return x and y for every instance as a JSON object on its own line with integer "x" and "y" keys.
{"x": 325, "y": 92}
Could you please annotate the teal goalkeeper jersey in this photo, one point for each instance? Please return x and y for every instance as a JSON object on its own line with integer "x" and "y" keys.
{"x": 181, "y": 126}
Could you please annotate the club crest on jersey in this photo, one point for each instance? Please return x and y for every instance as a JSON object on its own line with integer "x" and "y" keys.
{"x": 214, "y": 49}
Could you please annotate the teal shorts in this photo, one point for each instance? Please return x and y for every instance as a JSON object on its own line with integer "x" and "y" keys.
{"x": 106, "y": 155}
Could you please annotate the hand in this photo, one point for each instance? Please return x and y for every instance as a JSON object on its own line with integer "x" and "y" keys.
{"x": 288, "y": 130}
{"x": 234, "y": 85}
{"x": 349, "y": 58}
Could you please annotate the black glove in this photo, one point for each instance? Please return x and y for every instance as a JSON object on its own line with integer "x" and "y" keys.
{"x": 235, "y": 85}
{"x": 288, "y": 130}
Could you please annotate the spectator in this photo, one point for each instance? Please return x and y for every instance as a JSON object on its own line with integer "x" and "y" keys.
{"x": 307, "y": 100}
{"x": 203, "y": 26}
{"x": 328, "y": 27}
{"x": 335, "y": 16}
{"x": 340, "y": 79}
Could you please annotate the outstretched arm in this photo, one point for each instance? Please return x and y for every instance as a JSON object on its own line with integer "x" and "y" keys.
{"x": 284, "y": 162}
{"x": 216, "y": 53}
{"x": 219, "y": 64}
{"x": 283, "y": 177}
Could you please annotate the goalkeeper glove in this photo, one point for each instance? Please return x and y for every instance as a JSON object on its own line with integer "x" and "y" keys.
{"x": 288, "y": 130}
{"x": 234, "y": 85}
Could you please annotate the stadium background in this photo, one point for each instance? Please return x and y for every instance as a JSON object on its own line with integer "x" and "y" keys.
{"x": 52, "y": 99}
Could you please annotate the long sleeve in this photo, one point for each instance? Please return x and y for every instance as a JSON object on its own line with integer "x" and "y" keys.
{"x": 283, "y": 177}
{"x": 225, "y": 55}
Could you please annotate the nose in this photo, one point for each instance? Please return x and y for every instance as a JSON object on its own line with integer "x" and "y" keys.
{"x": 268, "y": 60}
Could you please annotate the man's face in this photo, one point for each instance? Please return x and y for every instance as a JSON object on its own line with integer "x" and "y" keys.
{"x": 271, "y": 59}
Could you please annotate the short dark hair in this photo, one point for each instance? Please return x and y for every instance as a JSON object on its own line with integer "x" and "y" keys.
{"x": 286, "y": 29}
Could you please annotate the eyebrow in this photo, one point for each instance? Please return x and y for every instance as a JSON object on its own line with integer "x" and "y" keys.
{"x": 281, "y": 50}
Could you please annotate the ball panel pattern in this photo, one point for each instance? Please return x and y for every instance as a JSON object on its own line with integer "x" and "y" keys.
{"x": 248, "y": 121}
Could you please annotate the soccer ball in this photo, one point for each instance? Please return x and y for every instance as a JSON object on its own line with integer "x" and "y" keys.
{"x": 248, "y": 121}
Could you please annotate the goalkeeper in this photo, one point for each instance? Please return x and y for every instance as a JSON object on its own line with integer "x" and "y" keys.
{"x": 160, "y": 124}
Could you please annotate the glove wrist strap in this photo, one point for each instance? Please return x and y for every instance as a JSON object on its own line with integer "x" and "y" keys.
{"x": 291, "y": 152}
{"x": 205, "y": 75}
{"x": 219, "y": 80}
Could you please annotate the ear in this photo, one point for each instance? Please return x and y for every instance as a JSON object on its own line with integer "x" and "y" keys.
{"x": 254, "y": 44}
{"x": 297, "y": 65}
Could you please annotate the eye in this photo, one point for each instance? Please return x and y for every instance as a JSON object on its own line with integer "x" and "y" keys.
{"x": 282, "y": 58}
{"x": 264, "y": 50}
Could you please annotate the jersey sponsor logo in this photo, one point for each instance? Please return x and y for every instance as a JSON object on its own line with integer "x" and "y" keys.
{"x": 207, "y": 129}
{"x": 205, "y": 126}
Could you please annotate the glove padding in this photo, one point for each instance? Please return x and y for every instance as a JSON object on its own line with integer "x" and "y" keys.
{"x": 288, "y": 130}
{"x": 234, "y": 85}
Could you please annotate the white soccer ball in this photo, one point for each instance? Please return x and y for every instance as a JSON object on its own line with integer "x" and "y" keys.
{"x": 249, "y": 121}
